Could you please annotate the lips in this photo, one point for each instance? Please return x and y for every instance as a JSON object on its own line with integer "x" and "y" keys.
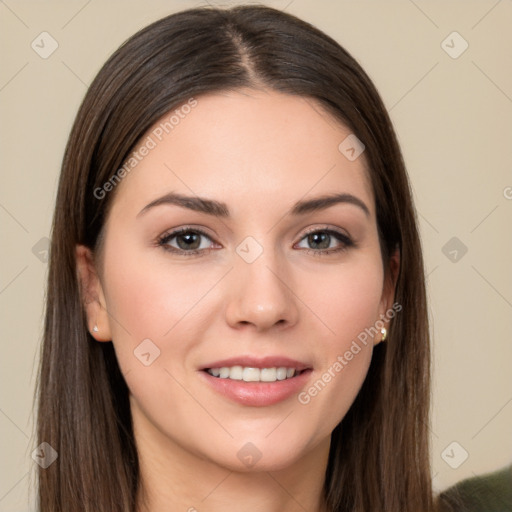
{"x": 256, "y": 381}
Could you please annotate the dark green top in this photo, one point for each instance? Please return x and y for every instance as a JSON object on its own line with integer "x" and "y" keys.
{"x": 487, "y": 493}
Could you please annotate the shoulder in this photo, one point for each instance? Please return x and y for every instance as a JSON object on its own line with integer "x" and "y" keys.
{"x": 486, "y": 493}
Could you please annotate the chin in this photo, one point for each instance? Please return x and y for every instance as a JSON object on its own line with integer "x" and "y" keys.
{"x": 261, "y": 455}
{"x": 269, "y": 463}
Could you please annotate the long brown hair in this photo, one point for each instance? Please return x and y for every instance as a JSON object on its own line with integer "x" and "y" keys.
{"x": 379, "y": 456}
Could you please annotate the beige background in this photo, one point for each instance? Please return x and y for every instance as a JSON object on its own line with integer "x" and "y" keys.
{"x": 454, "y": 120}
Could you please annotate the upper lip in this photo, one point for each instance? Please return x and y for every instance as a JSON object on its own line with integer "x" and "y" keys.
{"x": 259, "y": 362}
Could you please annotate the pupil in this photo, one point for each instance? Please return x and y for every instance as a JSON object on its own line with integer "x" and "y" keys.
{"x": 319, "y": 239}
{"x": 191, "y": 241}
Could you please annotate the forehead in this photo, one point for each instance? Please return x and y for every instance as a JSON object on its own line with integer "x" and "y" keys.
{"x": 248, "y": 147}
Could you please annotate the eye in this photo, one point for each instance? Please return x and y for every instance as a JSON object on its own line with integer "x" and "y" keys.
{"x": 186, "y": 240}
{"x": 325, "y": 241}
{"x": 193, "y": 241}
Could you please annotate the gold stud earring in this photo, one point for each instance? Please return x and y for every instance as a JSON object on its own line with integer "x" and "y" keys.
{"x": 384, "y": 333}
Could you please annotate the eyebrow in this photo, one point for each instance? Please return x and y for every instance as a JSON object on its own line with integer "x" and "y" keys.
{"x": 220, "y": 209}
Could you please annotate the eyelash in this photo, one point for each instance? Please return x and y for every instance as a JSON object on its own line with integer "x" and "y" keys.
{"x": 164, "y": 240}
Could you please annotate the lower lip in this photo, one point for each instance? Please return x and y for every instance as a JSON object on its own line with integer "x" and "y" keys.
{"x": 257, "y": 394}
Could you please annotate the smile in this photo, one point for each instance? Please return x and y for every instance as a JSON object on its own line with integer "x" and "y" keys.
{"x": 251, "y": 374}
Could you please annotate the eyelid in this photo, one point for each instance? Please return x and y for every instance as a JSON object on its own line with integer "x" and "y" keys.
{"x": 344, "y": 239}
{"x": 325, "y": 227}
{"x": 184, "y": 229}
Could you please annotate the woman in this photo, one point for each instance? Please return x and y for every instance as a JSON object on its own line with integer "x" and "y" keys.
{"x": 236, "y": 312}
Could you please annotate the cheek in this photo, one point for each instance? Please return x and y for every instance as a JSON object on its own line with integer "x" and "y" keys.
{"x": 349, "y": 307}
{"x": 334, "y": 387}
{"x": 151, "y": 307}
{"x": 149, "y": 299}
{"x": 346, "y": 300}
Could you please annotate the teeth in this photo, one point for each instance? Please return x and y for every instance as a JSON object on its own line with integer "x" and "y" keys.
{"x": 251, "y": 374}
{"x": 281, "y": 373}
{"x": 236, "y": 373}
{"x": 248, "y": 374}
{"x": 268, "y": 375}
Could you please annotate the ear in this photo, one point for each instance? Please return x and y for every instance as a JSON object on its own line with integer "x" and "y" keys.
{"x": 388, "y": 290}
{"x": 91, "y": 292}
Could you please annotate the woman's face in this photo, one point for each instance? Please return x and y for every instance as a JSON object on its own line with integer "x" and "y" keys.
{"x": 264, "y": 275}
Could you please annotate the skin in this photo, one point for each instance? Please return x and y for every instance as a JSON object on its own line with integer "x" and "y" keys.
{"x": 259, "y": 152}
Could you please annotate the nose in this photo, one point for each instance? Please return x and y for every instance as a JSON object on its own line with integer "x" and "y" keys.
{"x": 261, "y": 295}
